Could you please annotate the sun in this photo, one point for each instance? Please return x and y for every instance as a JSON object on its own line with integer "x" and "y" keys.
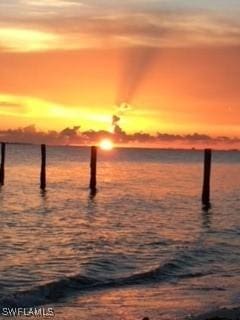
{"x": 106, "y": 144}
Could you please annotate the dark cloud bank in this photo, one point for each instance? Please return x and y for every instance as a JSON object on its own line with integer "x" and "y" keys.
{"x": 74, "y": 136}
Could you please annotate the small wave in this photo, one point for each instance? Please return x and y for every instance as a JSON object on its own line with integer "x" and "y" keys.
{"x": 54, "y": 291}
{"x": 47, "y": 293}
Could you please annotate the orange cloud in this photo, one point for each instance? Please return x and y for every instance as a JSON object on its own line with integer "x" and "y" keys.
{"x": 88, "y": 28}
{"x": 72, "y": 61}
{"x": 32, "y": 109}
{"x": 25, "y": 40}
{"x": 75, "y": 136}
{"x": 183, "y": 91}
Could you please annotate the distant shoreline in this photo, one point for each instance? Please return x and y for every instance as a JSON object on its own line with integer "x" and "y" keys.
{"x": 123, "y": 147}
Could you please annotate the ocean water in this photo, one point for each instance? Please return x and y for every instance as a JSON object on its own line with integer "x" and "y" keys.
{"x": 142, "y": 246}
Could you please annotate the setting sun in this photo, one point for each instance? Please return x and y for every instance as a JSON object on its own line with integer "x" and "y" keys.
{"x": 106, "y": 144}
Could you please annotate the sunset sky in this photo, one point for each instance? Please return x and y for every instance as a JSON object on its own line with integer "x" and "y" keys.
{"x": 71, "y": 63}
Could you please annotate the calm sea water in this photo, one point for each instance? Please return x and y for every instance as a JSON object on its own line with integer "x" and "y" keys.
{"x": 142, "y": 246}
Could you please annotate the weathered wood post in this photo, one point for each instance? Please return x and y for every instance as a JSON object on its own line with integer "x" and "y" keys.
{"x": 43, "y": 167}
{"x": 2, "y": 167}
{"x": 206, "y": 178}
{"x": 93, "y": 169}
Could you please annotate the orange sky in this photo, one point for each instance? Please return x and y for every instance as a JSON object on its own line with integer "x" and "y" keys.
{"x": 68, "y": 64}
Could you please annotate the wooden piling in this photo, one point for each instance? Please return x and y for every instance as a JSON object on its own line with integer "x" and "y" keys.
{"x": 43, "y": 167}
{"x": 93, "y": 169}
{"x": 2, "y": 167}
{"x": 206, "y": 177}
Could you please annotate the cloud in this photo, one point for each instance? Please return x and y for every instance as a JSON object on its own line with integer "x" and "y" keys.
{"x": 32, "y": 108}
{"x": 24, "y": 9}
{"x": 10, "y": 105}
{"x": 52, "y": 3}
{"x": 70, "y": 132}
{"x": 80, "y": 25}
{"x": 26, "y": 40}
{"x": 29, "y": 109}
{"x": 73, "y": 136}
